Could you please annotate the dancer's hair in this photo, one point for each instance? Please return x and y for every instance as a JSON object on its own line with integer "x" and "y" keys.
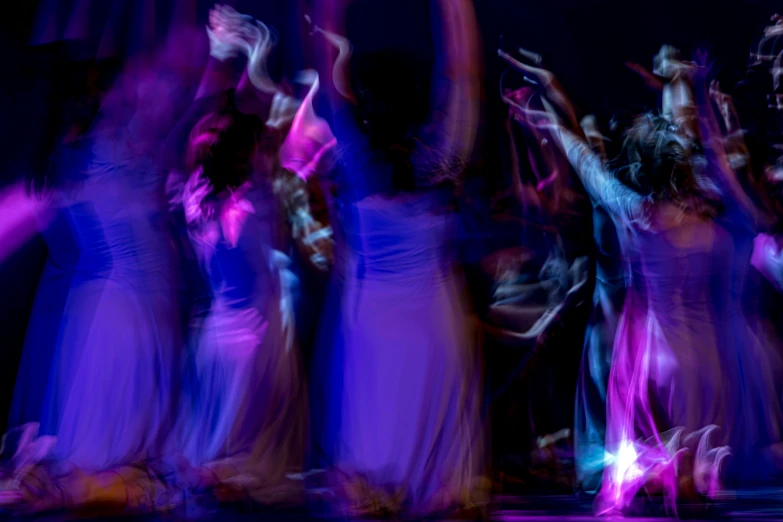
{"x": 658, "y": 163}
{"x": 224, "y": 144}
{"x": 393, "y": 98}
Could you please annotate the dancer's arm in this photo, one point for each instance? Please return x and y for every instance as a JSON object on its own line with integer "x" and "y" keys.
{"x": 24, "y": 212}
{"x": 678, "y": 100}
{"x": 447, "y": 143}
{"x": 623, "y": 203}
{"x": 590, "y": 128}
{"x": 737, "y": 150}
{"x": 601, "y": 185}
{"x": 268, "y": 100}
{"x": 225, "y": 44}
{"x": 549, "y": 82}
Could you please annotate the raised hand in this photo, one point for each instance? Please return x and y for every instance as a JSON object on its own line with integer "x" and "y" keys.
{"x": 226, "y": 33}
{"x": 539, "y": 76}
{"x": 667, "y": 62}
{"x": 227, "y": 18}
{"x": 551, "y": 86}
{"x": 521, "y": 110}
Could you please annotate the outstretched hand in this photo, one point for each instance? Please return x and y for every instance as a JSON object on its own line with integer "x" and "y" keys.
{"x": 519, "y": 103}
{"x": 551, "y": 86}
{"x": 670, "y": 65}
{"x": 225, "y": 32}
{"x": 538, "y": 75}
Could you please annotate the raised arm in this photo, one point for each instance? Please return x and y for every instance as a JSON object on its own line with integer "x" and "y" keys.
{"x": 734, "y": 137}
{"x": 456, "y": 81}
{"x": 549, "y": 83}
{"x": 625, "y": 205}
{"x": 590, "y": 128}
{"x": 309, "y": 144}
{"x": 225, "y": 44}
{"x": 678, "y": 100}
{"x": 25, "y": 211}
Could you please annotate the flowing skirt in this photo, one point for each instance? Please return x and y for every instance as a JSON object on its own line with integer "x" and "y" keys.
{"x": 590, "y": 410}
{"x": 244, "y": 421}
{"x": 411, "y": 437}
{"x": 112, "y": 386}
{"x": 690, "y": 406}
{"x": 109, "y": 401}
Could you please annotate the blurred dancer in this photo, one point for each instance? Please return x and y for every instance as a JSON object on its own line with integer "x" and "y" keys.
{"x": 410, "y": 438}
{"x": 760, "y": 288}
{"x": 245, "y": 427}
{"x": 69, "y": 162}
{"x": 679, "y": 392}
{"x": 111, "y": 390}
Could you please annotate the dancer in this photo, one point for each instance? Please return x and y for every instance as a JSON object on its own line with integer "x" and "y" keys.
{"x": 409, "y": 439}
{"x": 679, "y": 393}
{"x": 69, "y": 162}
{"x": 111, "y": 391}
{"x": 760, "y": 288}
{"x": 245, "y": 427}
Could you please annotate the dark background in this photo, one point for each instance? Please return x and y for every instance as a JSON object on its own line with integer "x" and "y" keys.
{"x": 585, "y": 42}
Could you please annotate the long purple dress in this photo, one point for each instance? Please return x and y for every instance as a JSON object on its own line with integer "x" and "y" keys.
{"x": 410, "y": 394}
{"x": 688, "y": 376}
{"x": 407, "y": 385}
{"x": 52, "y": 292}
{"x": 244, "y": 419}
{"x": 111, "y": 391}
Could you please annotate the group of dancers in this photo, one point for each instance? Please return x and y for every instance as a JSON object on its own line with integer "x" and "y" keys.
{"x": 255, "y": 281}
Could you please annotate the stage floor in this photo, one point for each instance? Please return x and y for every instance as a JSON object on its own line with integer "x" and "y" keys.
{"x": 756, "y": 506}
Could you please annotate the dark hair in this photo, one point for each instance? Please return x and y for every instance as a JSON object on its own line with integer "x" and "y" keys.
{"x": 393, "y": 98}
{"x": 224, "y": 144}
{"x": 655, "y": 163}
